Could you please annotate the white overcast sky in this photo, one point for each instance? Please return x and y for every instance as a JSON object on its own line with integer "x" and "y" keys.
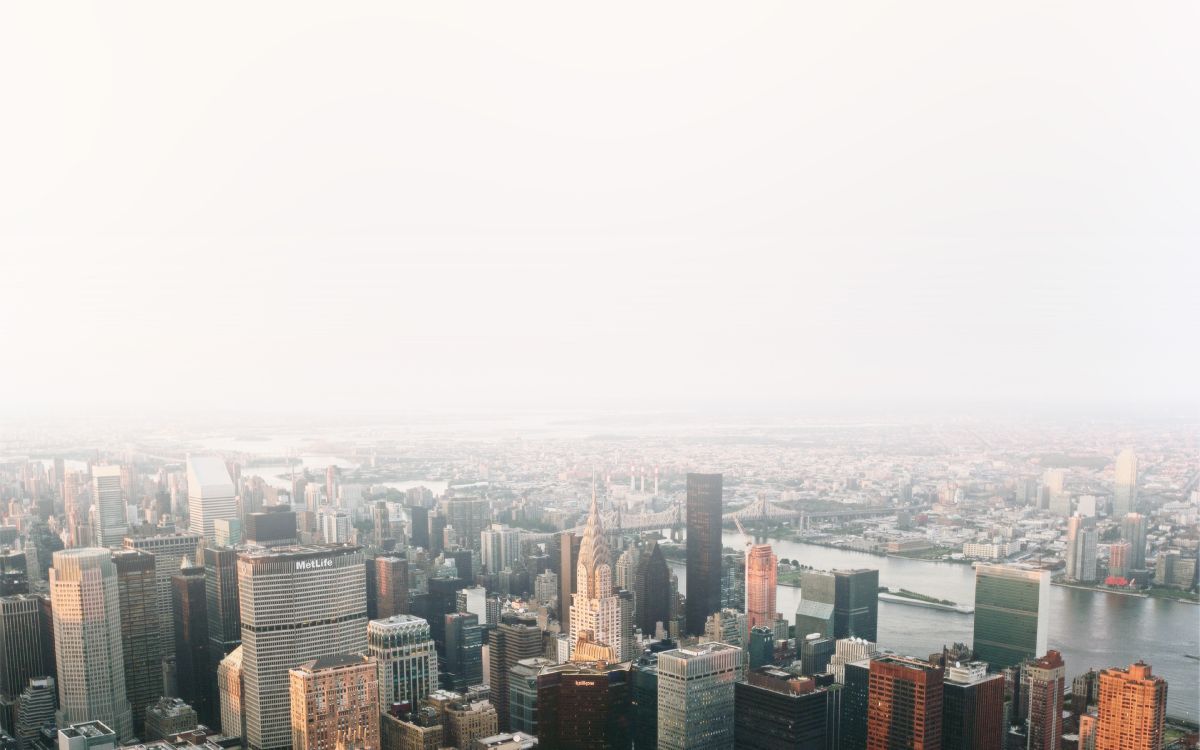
{"x": 424, "y": 205}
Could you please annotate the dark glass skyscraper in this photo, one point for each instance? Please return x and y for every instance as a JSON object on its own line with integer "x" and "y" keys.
{"x": 972, "y": 708}
{"x": 1011, "y": 605}
{"x": 463, "y": 662}
{"x": 418, "y": 526}
{"x": 221, "y": 602}
{"x": 191, "y": 641}
{"x": 773, "y": 710}
{"x": 568, "y": 560}
{"x": 853, "y": 596}
{"x": 855, "y": 700}
{"x": 703, "y": 549}
{"x": 137, "y": 589}
{"x": 581, "y": 707}
{"x": 652, "y": 591}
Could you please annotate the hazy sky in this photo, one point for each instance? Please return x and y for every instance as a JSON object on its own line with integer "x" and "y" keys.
{"x": 424, "y": 205}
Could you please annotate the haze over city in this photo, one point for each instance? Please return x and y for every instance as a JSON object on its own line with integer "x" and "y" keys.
{"x": 538, "y": 376}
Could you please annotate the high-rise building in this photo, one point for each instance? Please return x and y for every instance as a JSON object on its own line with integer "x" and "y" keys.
{"x": 1053, "y": 494}
{"x": 1011, "y": 606}
{"x": 87, "y": 640}
{"x": 1120, "y": 558}
{"x": 775, "y": 710}
{"x": 847, "y": 650}
{"x": 406, "y": 657}
{"x": 761, "y": 650}
{"x": 418, "y": 526}
{"x": 545, "y": 588}
{"x": 1133, "y": 530}
{"x": 584, "y": 707}
{"x": 761, "y": 583}
{"x": 815, "y": 652}
{"x": 727, "y": 626}
{"x": 568, "y": 561}
{"x": 500, "y": 547}
{"x": 391, "y": 586}
{"x": 23, "y": 650}
{"x": 523, "y": 714}
{"x": 1081, "y": 549}
{"x": 850, "y": 596}
{"x": 1085, "y": 691}
{"x": 211, "y": 495}
{"x": 1043, "y": 683}
{"x": 221, "y": 602}
{"x": 703, "y": 549}
{"x": 1125, "y": 490}
{"x": 464, "y": 651}
{"x": 297, "y": 603}
{"x": 696, "y": 695}
{"x": 34, "y": 710}
{"x": 141, "y": 631}
{"x": 1087, "y": 732}
{"x": 856, "y": 693}
{"x": 191, "y": 640}
{"x": 468, "y": 721}
{"x": 231, "y": 687}
{"x": 1132, "y": 709}
{"x": 905, "y": 704}
{"x": 972, "y": 708}
{"x": 469, "y": 516}
{"x": 108, "y": 500}
{"x": 335, "y": 703}
{"x": 595, "y": 606}
{"x": 274, "y": 526}
{"x": 516, "y": 637}
{"x": 169, "y": 551}
{"x": 651, "y": 586}
{"x": 644, "y": 698}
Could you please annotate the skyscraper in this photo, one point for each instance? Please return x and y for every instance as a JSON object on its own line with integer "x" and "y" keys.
{"x": 108, "y": 500}
{"x": 211, "y": 495}
{"x": 22, "y": 648}
{"x": 1011, "y": 605}
{"x": 406, "y": 658}
{"x": 523, "y": 714}
{"x": 231, "y": 687}
{"x": 1125, "y": 484}
{"x": 595, "y": 606}
{"x": 972, "y": 708}
{"x": 335, "y": 703}
{"x": 141, "y": 631}
{"x": 696, "y": 696}
{"x": 464, "y": 651}
{"x": 500, "y": 547}
{"x": 391, "y": 586}
{"x": 297, "y": 603}
{"x": 584, "y": 707}
{"x": 905, "y": 704}
{"x": 568, "y": 560}
{"x": 775, "y": 710}
{"x": 1081, "y": 549}
{"x": 221, "y": 601}
{"x": 652, "y": 586}
{"x": 517, "y": 637}
{"x": 761, "y": 584}
{"x": 469, "y": 516}
{"x": 703, "y": 549}
{"x": 1133, "y": 530}
{"x": 853, "y": 596}
{"x": 418, "y": 526}
{"x": 1043, "y": 682}
{"x": 856, "y": 702}
{"x": 1132, "y": 709}
{"x": 191, "y": 640}
{"x": 169, "y": 551}
{"x": 87, "y": 638}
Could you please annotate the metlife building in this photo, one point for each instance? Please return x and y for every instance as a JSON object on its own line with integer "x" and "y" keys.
{"x": 298, "y": 603}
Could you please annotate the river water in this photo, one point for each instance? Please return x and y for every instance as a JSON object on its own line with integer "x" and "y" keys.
{"x": 1091, "y": 629}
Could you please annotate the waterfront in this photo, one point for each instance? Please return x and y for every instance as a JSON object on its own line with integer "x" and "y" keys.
{"x": 1091, "y": 629}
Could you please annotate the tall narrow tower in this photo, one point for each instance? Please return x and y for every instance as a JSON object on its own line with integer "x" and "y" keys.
{"x": 761, "y": 580}
{"x": 703, "y": 549}
{"x": 211, "y": 495}
{"x": 108, "y": 499}
{"x": 87, "y": 640}
{"x": 595, "y": 606}
{"x": 1125, "y": 484}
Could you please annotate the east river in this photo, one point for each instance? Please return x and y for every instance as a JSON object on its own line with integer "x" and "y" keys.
{"x": 1090, "y": 629}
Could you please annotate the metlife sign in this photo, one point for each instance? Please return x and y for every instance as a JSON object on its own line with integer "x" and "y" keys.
{"x": 324, "y": 562}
